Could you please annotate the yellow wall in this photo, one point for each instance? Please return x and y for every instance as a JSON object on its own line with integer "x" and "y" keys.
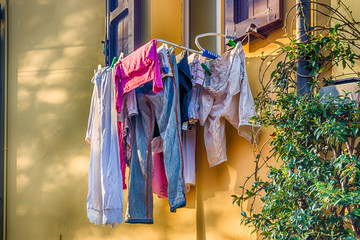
{"x": 338, "y": 70}
{"x": 54, "y": 47}
{"x": 166, "y": 20}
{"x": 217, "y": 217}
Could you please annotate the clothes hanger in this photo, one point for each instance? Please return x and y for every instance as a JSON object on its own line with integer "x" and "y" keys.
{"x": 178, "y": 46}
{"x": 212, "y": 34}
{"x": 251, "y": 30}
{"x": 203, "y": 52}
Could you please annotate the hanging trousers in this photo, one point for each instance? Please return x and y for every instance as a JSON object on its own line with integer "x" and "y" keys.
{"x": 163, "y": 108}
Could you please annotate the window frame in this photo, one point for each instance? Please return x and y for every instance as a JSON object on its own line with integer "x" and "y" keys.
{"x": 265, "y": 22}
{"x": 116, "y": 11}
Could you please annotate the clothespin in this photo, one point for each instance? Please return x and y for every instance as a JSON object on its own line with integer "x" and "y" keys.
{"x": 208, "y": 54}
{"x": 207, "y": 70}
{"x": 113, "y": 62}
{"x": 232, "y": 43}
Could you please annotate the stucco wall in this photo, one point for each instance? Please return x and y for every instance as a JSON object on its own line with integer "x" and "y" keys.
{"x": 217, "y": 217}
{"x": 353, "y": 7}
{"x": 53, "y": 48}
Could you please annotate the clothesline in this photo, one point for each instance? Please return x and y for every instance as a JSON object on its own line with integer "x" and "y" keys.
{"x": 178, "y": 46}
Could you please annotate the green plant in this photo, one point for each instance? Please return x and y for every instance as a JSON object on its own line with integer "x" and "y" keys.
{"x": 314, "y": 193}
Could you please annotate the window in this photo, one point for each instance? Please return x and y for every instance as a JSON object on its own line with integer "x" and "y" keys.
{"x": 122, "y": 27}
{"x": 266, "y": 15}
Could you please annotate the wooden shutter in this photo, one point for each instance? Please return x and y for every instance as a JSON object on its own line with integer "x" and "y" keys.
{"x": 240, "y": 14}
{"x": 122, "y": 27}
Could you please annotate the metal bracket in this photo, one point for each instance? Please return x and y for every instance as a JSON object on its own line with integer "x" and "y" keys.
{"x": 252, "y": 30}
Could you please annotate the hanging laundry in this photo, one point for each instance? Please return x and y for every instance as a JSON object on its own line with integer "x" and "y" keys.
{"x": 158, "y": 175}
{"x": 105, "y": 195}
{"x": 129, "y": 109}
{"x": 189, "y": 146}
{"x": 189, "y": 135}
{"x": 226, "y": 95}
{"x": 163, "y": 108}
{"x": 197, "y": 79}
{"x": 164, "y": 61}
{"x": 120, "y": 126}
{"x": 136, "y": 69}
{"x": 185, "y": 84}
{"x": 197, "y": 72}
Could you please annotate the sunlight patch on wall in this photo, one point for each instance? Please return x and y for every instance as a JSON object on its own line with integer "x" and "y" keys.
{"x": 233, "y": 183}
{"x": 54, "y": 176}
{"x": 57, "y": 78}
{"x": 79, "y": 18}
{"x": 48, "y": 187}
{"x": 22, "y": 182}
{"x": 78, "y": 166}
{"x": 24, "y": 162}
{"x": 69, "y": 58}
{"x": 24, "y": 102}
{"x": 72, "y": 35}
{"x": 21, "y": 210}
{"x": 34, "y": 60}
{"x": 52, "y": 96}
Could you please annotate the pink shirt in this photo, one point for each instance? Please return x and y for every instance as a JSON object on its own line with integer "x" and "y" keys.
{"x": 138, "y": 68}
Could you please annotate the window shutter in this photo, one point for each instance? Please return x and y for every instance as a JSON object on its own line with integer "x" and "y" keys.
{"x": 266, "y": 15}
{"x": 259, "y": 7}
{"x": 241, "y": 10}
{"x": 122, "y": 27}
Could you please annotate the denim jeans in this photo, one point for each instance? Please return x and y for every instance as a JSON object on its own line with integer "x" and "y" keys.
{"x": 163, "y": 108}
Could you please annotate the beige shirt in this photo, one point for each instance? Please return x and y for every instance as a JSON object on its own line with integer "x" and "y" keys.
{"x": 226, "y": 95}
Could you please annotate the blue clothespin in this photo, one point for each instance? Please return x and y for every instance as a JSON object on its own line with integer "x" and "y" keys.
{"x": 166, "y": 69}
{"x": 208, "y": 54}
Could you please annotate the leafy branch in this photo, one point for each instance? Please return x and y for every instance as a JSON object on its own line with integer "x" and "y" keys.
{"x": 314, "y": 193}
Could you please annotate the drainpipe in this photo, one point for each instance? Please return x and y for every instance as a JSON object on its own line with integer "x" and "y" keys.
{"x": 303, "y": 19}
{"x": 3, "y": 113}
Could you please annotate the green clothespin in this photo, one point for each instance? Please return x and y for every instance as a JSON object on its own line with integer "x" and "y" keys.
{"x": 207, "y": 70}
{"x": 232, "y": 43}
{"x": 113, "y": 62}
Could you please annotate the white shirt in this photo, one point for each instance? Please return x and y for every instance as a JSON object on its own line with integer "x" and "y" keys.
{"x": 105, "y": 195}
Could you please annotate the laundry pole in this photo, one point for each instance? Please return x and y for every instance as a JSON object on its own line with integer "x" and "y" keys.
{"x": 303, "y": 20}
